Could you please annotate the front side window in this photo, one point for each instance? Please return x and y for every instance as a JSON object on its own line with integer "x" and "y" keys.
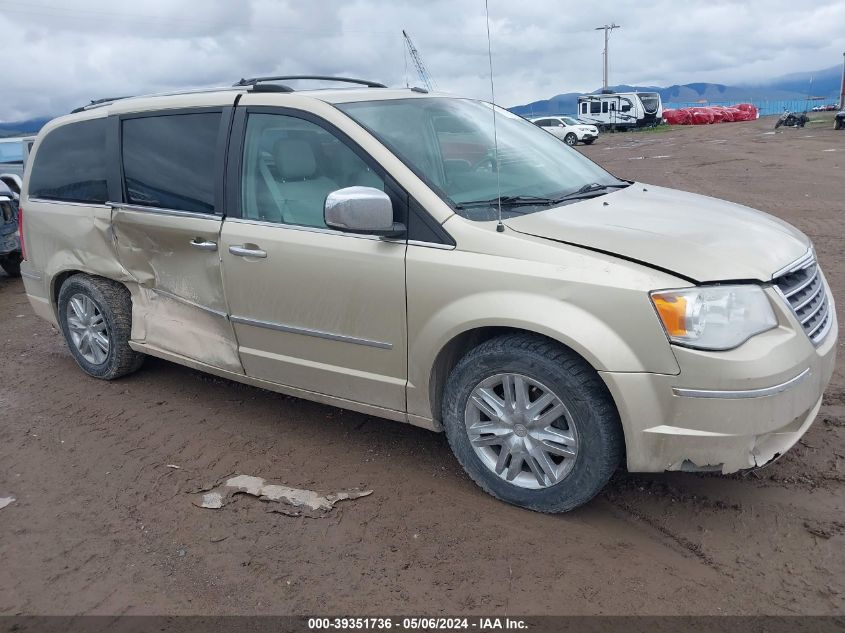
{"x": 449, "y": 143}
{"x": 169, "y": 161}
{"x": 71, "y": 164}
{"x": 290, "y": 165}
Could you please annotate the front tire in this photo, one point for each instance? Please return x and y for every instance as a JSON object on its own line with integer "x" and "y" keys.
{"x": 570, "y": 139}
{"x": 532, "y": 423}
{"x": 95, "y": 315}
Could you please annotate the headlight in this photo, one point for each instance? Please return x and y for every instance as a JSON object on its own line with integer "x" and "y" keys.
{"x": 714, "y": 317}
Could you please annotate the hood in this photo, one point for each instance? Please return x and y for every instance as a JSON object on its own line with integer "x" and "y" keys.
{"x": 697, "y": 237}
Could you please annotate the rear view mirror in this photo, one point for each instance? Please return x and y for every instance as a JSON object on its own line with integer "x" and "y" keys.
{"x": 362, "y": 210}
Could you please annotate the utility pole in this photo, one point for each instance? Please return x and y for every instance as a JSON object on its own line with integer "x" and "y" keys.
{"x": 607, "y": 28}
{"x": 842, "y": 89}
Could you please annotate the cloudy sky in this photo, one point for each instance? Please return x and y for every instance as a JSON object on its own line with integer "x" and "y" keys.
{"x": 60, "y": 53}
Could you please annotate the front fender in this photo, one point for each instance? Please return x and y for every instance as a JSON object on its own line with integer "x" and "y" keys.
{"x": 635, "y": 343}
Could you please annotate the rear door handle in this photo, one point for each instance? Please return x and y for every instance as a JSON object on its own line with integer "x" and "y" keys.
{"x": 243, "y": 251}
{"x": 203, "y": 245}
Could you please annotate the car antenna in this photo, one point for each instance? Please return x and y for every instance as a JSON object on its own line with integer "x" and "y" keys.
{"x": 500, "y": 227}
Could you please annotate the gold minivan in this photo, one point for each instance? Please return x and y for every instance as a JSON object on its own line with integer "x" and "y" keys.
{"x": 432, "y": 260}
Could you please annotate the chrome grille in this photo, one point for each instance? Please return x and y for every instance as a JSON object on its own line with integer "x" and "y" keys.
{"x": 804, "y": 289}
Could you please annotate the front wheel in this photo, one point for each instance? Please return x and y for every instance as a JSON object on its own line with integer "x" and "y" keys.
{"x": 532, "y": 423}
{"x": 570, "y": 139}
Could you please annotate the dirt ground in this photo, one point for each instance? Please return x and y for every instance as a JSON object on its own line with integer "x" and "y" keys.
{"x": 102, "y": 525}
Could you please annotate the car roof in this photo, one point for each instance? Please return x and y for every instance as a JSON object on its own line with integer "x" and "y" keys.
{"x": 224, "y": 96}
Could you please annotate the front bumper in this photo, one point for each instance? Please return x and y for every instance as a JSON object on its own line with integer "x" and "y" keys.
{"x": 725, "y": 411}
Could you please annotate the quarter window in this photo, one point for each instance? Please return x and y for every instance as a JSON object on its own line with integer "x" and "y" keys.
{"x": 71, "y": 164}
{"x": 169, "y": 161}
{"x": 290, "y": 165}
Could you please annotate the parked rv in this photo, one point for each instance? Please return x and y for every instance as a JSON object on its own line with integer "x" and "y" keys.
{"x": 621, "y": 110}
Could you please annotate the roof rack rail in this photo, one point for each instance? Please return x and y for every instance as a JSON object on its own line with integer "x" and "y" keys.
{"x": 254, "y": 81}
{"x": 98, "y": 102}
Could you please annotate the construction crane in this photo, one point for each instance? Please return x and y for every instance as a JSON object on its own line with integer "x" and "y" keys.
{"x": 422, "y": 71}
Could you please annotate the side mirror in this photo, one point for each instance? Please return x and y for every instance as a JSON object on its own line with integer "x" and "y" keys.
{"x": 362, "y": 210}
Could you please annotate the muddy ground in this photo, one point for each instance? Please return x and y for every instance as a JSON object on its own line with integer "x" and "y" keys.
{"x": 101, "y": 524}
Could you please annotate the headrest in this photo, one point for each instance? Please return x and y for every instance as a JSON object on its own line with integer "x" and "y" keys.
{"x": 294, "y": 159}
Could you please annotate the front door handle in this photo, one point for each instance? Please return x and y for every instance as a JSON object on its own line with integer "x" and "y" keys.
{"x": 203, "y": 245}
{"x": 243, "y": 251}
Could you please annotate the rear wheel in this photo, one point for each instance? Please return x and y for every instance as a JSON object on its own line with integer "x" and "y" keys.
{"x": 570, "y": 139}
{"x": 95, "y": 315}
{"x": 532, "y": 423}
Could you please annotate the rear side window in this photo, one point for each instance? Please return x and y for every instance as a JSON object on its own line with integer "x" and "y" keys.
{"x": 71, "y": 164}
{"x": 169, "y": 161}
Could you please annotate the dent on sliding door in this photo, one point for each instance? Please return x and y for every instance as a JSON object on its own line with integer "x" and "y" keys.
{"x": 166, "y": 236}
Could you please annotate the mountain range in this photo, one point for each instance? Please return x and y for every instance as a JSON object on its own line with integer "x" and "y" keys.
{"x": 22, "y": 128}
{"x": 795, "y": 87}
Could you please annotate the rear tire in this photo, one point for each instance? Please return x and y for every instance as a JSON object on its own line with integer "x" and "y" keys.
{"x": 95, "y": 315}
{"x": 570, "y": 139}
{"x": 11, "y": 264}
{"x": 579, "y": 424}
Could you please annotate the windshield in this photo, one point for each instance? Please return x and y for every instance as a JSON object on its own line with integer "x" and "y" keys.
{"x": 650, "y": 101}
{"x": 11, "y": 152}
{"x": 570, "y": 121}
{"x": 449, "y": 143}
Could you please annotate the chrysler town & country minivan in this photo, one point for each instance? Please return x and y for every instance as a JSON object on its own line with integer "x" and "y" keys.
{"x": 384, "y": 251}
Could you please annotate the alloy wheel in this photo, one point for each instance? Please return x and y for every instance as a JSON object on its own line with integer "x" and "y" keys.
{"x": 521, "y": 430}
{"x": 88, "y": 329}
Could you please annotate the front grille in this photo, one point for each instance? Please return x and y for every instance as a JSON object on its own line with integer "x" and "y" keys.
{"x": 804, "y": 288}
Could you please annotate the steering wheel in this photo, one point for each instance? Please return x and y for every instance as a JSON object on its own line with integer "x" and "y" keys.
{"x": 486, "y": 163}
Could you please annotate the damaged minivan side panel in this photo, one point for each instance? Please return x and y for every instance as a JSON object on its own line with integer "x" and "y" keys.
{"x": 166, "y": 227}
{"x": 177, "y": 298}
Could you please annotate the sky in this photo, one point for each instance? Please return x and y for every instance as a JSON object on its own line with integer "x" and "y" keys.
{"x": 60, "y": 54}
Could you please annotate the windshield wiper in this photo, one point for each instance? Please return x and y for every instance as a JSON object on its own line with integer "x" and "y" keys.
{"x": 592, "y": 190}
{"x": 587, "y": 191}
{"x": 508, "y": 201}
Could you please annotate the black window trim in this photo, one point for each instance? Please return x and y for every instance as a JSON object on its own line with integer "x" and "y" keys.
{"x": 117, "y": 181}
{"x": 234, "y": 163}
{"x": 109, "y": 163}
